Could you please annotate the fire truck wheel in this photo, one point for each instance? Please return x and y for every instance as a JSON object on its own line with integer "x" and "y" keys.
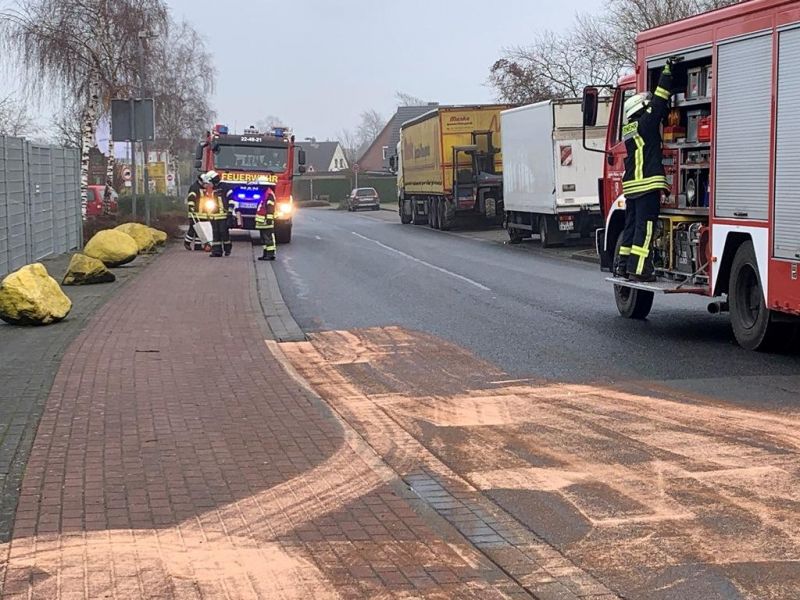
{"x": 753, "y": 323}
{"x": 633, "y": 303}
{"x": 283, "y": 235}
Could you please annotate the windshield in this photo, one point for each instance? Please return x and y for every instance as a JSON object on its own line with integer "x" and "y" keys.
{"x": 252, "y": 158}
{"x": 366, "y": 192}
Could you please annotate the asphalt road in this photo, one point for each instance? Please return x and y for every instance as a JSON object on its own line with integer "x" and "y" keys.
{"x": 531, "y": 312}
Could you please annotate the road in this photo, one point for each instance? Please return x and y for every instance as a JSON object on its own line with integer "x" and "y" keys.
{"x": 656, "y": 456}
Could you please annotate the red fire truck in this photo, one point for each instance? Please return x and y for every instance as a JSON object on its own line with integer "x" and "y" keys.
{"x": 248, "y": 164}
{"x": 730, "y": 229}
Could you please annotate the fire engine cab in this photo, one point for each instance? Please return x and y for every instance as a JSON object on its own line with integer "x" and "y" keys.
{"x": 250, "y": 163}
{"x": 730, "y": 228}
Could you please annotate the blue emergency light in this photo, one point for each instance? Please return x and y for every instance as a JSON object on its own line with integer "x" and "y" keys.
{"x": 248, "y": 194}
{"x": 278, "y": 132}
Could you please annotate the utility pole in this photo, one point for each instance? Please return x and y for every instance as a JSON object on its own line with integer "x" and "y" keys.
{"x": 146, "y": 179}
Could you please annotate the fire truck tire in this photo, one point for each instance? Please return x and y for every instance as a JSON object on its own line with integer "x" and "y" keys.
{"x": 633, "y": 303}
{"x": 283, "y": 235}
{"x": 754, "y": 325}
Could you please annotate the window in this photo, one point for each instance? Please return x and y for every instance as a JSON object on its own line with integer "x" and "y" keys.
{"x": 385, "y": 152}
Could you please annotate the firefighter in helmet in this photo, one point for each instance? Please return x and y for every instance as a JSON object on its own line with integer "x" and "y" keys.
{"x": 265, "y": 223}
{"x": 644, "y": 179}
{"x": 220, "y": 214}
{"x": 192, "y": 199}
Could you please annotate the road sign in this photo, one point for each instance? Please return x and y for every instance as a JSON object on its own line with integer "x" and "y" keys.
{"x": 356, "y": 168}
{"x": 126, "y": 174}
{"x": 170, "y": 177}
{"x": 132, "y": 120}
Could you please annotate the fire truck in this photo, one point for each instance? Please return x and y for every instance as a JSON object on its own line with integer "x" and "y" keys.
{"x": 730, "y": 228}
{"x": 250, "y": 163}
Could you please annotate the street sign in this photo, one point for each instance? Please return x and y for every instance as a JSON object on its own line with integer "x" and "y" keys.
{"x": 132, "y": 120}
{"x": 356, "y": 168}
{"x": 170, "y": 177}
{"x": 126, "y": 174}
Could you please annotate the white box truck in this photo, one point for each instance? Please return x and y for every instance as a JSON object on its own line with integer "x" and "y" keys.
{"x": 550, "y": 181}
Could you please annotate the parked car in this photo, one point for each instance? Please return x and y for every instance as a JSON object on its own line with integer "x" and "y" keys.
{"x": 363, "y": 198}
{"x": 94, "y": 204}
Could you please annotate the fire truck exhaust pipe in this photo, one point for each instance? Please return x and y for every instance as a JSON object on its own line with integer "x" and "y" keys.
{"x": 717, "y": 307}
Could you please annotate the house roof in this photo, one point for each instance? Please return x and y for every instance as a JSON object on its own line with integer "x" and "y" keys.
{"x": 403, "y": 114}
{"x": 319, "y": 155}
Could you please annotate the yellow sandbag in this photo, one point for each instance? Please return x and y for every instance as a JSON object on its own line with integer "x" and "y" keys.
{"x": 84, "y": 270}
{"x": 141, "y": 233}
{"x": 159, "y": 236}
{"x": 112, "y": 247}
{"x": 31, "y": 297}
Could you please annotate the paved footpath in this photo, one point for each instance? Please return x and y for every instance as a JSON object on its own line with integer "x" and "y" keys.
{"x": 177, "y": 458}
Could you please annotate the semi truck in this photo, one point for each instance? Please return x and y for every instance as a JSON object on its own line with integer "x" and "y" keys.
{"x": 449, "y": 166}
{"x": 730, "y": 228}
{"x": 248, "y": 163}
{"x": 549, "y": 176}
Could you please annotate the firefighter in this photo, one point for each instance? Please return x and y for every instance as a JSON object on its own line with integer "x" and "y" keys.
{"x": 195, "y": 193}
{"x": 220, "y": 217}
{"x": 644, "y": 179}
{"x": 265, "y": 223}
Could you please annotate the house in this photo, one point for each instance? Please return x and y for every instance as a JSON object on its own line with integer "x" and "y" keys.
{"x": 324, "y": 157}
{"x": 376, "y": 156}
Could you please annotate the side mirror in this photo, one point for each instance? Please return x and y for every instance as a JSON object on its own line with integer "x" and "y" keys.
{"x": 301, "y": 158}
{"x": 591, "y": 98}
{"x": 301, "y": 169}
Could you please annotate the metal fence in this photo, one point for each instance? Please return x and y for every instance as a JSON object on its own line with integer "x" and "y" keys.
{"x": 40, "y": 202}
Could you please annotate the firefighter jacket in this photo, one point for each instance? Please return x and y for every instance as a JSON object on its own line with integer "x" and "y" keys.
{"x": 644, "y": 169}
{"x": 216, "y": 203}
{"x": 265, "y": 213}
{"x": 192, "y": 200}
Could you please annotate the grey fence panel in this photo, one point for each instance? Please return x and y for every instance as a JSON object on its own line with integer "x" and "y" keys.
{"x": 40, "y": 210}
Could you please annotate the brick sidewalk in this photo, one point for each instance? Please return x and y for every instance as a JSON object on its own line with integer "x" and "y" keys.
{"x": 176, "y": 459}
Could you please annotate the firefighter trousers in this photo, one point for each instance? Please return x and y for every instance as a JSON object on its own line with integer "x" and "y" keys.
{"x": 221, "y": 240}
{"x": 268, "y": 239}
{"x": 641, "y": 214}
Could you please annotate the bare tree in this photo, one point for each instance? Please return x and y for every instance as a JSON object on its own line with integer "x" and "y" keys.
{"x": 404, "y": 99}
{"x": 87, "y": 49}
{"x": 349, "y": 141}
{"x": 182, "y": 81}
{"x": 268, "y": 122}
{"x": 371, "y": 125}
{"x": 15, "y": 120}
{"x": 67, "y": 127}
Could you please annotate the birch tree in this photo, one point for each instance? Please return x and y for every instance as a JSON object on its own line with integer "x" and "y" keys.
{"x": 15, "y": 119}
{"x": 85, "y": 49}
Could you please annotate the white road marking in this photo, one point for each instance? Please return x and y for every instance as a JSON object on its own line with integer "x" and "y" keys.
{"x": 422, "y": 262}
{"x": 316, "y": 237}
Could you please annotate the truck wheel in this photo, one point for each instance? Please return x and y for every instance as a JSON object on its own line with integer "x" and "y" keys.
{"x": 433, "y": 213}
{"x": 753, "y": 323}
{"x": 418, "y": 219}
{"x": 405, "y": 219}
{"x": 633, "y": 303}
{"x": 515, "y": 236}
{"x": 283, "y": 235}
{"x": 548, "y": 233}
{"x": 445, "y": 223}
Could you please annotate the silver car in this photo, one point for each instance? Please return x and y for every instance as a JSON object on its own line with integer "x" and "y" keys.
{"x": 365, "y": 197}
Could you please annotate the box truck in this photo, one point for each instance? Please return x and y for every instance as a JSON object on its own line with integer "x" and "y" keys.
{"x": 550, "y": 179}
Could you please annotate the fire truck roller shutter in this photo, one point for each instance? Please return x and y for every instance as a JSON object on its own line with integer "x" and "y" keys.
{"x": 787, "y": 153}
{"x": 744, "y": 112}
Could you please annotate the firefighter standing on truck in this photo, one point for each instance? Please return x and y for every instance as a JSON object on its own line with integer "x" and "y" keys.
{"x": 220, "y": 215}
{"x": 192, "y": 199}
{"x": 265, "y": 223}
{"x": 644, "y": 178}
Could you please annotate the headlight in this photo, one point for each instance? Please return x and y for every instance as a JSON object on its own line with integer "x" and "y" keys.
{"x": 209, "y": 205}
{"x": 283, "y": 209}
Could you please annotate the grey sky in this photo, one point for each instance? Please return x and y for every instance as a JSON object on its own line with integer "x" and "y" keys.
{"x": 318, "y": 63}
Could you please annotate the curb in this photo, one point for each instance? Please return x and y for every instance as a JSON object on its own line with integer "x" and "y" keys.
{"x": 279, "y": 320}
{"x": 587, "y": 258}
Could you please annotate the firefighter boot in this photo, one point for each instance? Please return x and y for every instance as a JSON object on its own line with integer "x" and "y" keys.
{"x": 187, "y": 244}
{"x": 267, "y": 255}
{"x": 647, "y": 274}
{"x": 228, "y": 247}
{"x": 621, "y": 267}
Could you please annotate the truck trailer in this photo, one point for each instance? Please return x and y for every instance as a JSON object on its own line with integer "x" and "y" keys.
{"x": 549, "y": 176}
{"x": 730, "y": 228}
{"x": 449, "y": 165}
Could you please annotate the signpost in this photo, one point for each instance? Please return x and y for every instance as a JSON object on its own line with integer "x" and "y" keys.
{"x": 133, "y": 120}
{"x": 356, "y": 169}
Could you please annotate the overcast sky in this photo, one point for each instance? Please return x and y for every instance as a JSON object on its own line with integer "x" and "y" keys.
{"x": 318, "y": 63}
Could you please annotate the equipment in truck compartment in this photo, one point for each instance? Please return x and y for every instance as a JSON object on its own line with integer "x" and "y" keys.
{"x": 546, "y": 167}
